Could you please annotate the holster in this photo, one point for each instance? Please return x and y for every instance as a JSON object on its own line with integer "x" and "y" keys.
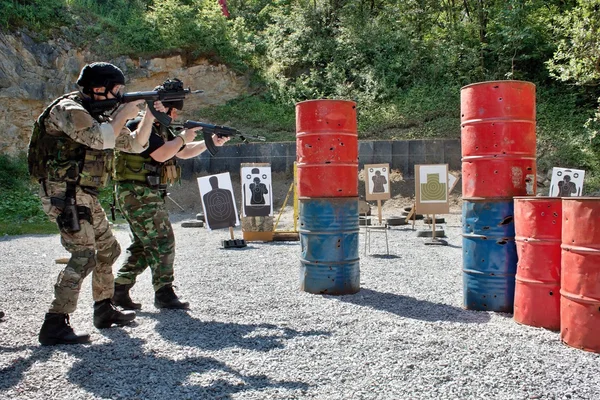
{"x": 71, "y": 213}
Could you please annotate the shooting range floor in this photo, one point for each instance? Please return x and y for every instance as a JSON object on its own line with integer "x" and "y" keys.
{"x": 252, "y": 334}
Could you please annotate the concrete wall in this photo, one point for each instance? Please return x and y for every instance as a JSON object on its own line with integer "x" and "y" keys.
{"x": 400, "y": 154}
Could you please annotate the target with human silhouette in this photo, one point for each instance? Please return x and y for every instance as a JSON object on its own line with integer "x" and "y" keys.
{"x": 216, "y": 193}
{"x": 257, "y": 193}
{"x": 566, "y": 182}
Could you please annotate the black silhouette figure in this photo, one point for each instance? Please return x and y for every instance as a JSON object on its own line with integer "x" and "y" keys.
{"x": 219, "y": 206}
{"x": 566, "y": 187}
{"x": 258, "y": 190}
{"x": 378, "y": 182}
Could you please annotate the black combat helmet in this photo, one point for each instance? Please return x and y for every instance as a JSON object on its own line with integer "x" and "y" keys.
{"x": 100, "y": 74}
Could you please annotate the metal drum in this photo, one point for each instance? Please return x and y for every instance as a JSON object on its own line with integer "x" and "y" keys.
{"x": 580, "y": 275}
{"x": 329, "y": 262}
{"x": 538, "y": 223}
{"x": 498, "y": 139}
{"x": 489, "y": 254}
{"x": 327, "y": 148}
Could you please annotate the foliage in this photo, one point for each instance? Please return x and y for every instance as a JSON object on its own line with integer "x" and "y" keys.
{"x": 19, "y": 204}
{"x": 577, "y": 58}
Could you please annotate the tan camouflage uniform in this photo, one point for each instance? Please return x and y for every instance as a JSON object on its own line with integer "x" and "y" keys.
{"x": 93, "y": 248}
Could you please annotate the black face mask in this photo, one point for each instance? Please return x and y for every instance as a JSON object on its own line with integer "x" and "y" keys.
{"x": 101, "y": 107}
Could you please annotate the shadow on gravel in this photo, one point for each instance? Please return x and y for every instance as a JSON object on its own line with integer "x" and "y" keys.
{"x": 410, "y": 307}
{"x": 12, "y": 374}
{"x": 131, "y": 368}
{"x": 181, "y": 328}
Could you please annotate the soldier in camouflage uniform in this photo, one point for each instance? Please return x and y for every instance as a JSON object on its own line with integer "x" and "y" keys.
{"x": 71, "y": 154}
{"x": 141, "y": 182}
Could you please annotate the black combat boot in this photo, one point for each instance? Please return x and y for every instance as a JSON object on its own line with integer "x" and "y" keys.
{"x": 105, "y": 314}
{"x": 57, "y": 330}
{"x": 165, "y": 297}
{"x": 121, "y": 297}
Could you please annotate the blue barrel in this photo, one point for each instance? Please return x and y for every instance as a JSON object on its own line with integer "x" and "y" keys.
{"x": 329, "y": 262}
{"x": 489, "y": 254}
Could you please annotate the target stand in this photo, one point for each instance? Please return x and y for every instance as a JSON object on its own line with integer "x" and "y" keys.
{"x": 233, "y": 243}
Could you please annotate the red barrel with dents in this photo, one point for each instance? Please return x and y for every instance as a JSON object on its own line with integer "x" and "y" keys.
{"x": 327, "y": 148}
{"x": 538, "y": 222}
{"x": 498, "y": 139}
{"x": 580, "y": 273}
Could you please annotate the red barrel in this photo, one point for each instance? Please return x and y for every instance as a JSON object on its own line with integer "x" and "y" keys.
{"x": 498, "y": 139}
{"x": 538, "y": 223}
{"x": 580, "y": 275}
{"x": 327, "y": 148}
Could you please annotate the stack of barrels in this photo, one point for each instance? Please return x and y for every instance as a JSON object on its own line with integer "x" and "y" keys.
{"x": 498, "y": 144}
{"x": 327, "y": 185}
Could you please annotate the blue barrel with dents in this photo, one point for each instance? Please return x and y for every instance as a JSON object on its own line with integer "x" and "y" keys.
{"x": 329, "y": 231}
{"x": 489, "y": 254}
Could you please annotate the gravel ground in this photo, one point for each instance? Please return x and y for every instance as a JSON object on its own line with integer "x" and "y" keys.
{"x": 252, "y": 334}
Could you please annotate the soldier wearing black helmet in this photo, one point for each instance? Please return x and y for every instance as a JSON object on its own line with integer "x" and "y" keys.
{"x": 71, "y": 153}
{"x": 141, "y": 183}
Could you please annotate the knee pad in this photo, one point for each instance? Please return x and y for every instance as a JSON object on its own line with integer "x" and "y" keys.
{"x": 82, "y": 262}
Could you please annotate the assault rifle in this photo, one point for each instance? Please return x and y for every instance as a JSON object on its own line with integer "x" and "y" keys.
{"x": 170, "y": 91}
{"x": 221, "y": 131}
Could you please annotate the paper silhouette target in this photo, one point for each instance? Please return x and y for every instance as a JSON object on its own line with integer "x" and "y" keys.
{"x": 377, "y": 182}
{"x": 257, "y": 197}
{"x": 218, "y": 202}
{"x": 566, "y": 182}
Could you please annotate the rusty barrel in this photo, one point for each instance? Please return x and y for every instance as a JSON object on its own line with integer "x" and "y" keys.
{"x": 538, "y": 222}
{"x": 580, "y": 273}
{"x": 327, "y": 148}
{"x": 329, "y": 261}
{"x": 498, "y": 140}
{"x": 489, "y": 254}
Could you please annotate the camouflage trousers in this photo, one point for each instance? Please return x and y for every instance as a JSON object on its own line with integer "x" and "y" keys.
{"x": 93, "y": 249}
{"x": 153, "y": 243}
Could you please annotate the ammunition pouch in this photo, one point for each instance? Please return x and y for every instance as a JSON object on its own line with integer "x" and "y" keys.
{"x": 133, "y": 167}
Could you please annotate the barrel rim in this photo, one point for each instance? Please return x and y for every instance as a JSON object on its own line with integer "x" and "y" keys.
{"x": 537, "y": 198}
{"x": 507, "y": 199}
{"x": 326, "y": 101}
{"x": 586, "y": 198}
{"x": 495, "y": 82}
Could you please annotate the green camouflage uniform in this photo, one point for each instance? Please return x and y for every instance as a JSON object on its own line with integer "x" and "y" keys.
{"x": 153, "y": 239}
{"x": 143, "y": 206}
{"x": 93, "y": 248}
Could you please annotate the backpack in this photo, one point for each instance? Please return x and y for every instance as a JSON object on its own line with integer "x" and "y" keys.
{"x": 41, "y": 145}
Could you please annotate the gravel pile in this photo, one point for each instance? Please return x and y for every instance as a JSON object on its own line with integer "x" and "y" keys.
{"x": 251, "y": 334}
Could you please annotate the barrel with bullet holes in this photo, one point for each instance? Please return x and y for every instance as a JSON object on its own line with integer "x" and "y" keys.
{"x": 327, "y": 185}
{"x": 489, "y": 254}
{"x": 327, "y": 148}
{"x": 498, "y": 140}
{"x": 538, "y": 222}
{"x": 580, "y": 273}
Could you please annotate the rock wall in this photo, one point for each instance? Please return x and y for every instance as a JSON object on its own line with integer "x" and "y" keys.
{"x": 32, "y": 74}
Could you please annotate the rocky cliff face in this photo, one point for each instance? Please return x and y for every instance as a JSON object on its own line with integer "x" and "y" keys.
{"x": 33, "y": 74}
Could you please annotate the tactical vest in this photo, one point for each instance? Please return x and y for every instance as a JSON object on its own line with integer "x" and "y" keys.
{"x": 134, "y": 167}
{"x": 62, "y": 159}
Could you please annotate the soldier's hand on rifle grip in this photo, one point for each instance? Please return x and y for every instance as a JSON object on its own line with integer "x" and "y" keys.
{"x": 219, "y": 140}
{"x": 159, "y": 106}
{"x": 189, "y": 134}
{"x": 129, "y": 110}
